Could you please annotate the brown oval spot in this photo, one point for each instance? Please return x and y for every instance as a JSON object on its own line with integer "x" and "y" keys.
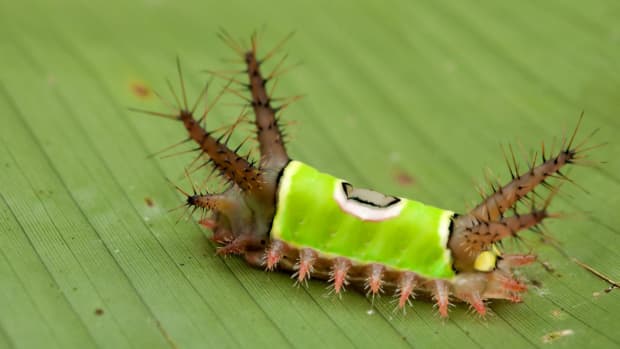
{"x": 402, "y": 177}
{"x": 149, "y": 202}
{"x": 140, "y": 89}
{"x": 98, "y": 311}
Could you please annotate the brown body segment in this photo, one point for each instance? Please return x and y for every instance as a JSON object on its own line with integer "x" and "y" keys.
{"x": 241, "y": 216}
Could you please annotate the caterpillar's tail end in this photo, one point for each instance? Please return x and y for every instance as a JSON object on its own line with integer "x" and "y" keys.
{"x": 228, "y": 215}
{"x": 497, "y": 283}
{"x": 242, "y": 214}
{"x": 489, "y": 223}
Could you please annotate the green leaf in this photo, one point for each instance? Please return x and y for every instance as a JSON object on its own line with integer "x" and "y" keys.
{"x": 411, "y": 98}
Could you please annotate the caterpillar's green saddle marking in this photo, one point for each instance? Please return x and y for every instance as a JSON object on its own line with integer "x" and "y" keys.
{"x": 322, "y": 212}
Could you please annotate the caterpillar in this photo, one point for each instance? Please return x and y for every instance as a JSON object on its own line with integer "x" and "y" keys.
{"x": 282, "y": 214}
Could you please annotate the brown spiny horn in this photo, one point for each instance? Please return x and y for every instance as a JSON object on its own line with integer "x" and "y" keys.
{"x": 492, "y": 208}
{"x": 479, "y": 237}
{"x": 271, "y": 144}
{"x": 235, "y": 168}
{"x": 269, "y": 135}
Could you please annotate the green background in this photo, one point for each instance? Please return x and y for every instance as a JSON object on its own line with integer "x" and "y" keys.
{"x": 412, "y": 98}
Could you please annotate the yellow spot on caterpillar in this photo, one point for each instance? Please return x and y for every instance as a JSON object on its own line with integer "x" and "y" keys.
{"x": 485, "y": 261}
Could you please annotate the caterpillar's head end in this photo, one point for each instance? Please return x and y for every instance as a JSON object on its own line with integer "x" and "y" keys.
{"x": 496, "y": 283}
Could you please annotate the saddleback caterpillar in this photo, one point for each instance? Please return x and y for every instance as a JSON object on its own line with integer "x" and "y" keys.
{"x": 280, "y": 213}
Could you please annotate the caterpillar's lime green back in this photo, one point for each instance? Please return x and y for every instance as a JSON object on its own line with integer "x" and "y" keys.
{"x": 313, "y": 210}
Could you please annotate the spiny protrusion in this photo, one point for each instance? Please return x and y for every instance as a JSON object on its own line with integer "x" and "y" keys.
{"x": 268, "y": 131}
{"x": 514, "y": 285}
{"x": 441, "y": 294}
{"x": 305, "y": 264}
{"x": 255, "y": 258}
{"x": 238, "y": 245}
{"x": 476, "y": 302}
{"x": 505, "y": 197}
{"x": 208, "y": 223}
{"x": 235, "y": 168}
{"x": 406, "y": 285}
{"x": 338, "y": 274}
{"x": 222, "y": 235}
{"x": 508, "y": 282}
{"x": 509, "y": 261}
{"x": 270, "y": 137}
{"x": 210, "y": 202}
{"x": 482, "y": 235}
{"x": 502, "y": 285}
{"x": 273, "y": 254}
{"x": 374, "y": 282}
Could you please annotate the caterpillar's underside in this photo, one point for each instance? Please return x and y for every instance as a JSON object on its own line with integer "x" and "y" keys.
{"x": 242, "y": 216}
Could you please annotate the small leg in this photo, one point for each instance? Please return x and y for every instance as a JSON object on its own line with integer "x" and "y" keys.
{"x": 374, "y": 282}
{"x": 440, "y": 294}
{"x": 305, "y": 266}
{"x": 339, "y": 273}
{"x": 502, "y": 285}
{"x": 274, "y": 254}
{"x": 255, "y": 258}
{"x": 407, "y": 283}
{"x": 476, "y": 302}
{"x": 238, "y": 245}
{"x": 208, "y": 223}
{"x": 221, "y": 235}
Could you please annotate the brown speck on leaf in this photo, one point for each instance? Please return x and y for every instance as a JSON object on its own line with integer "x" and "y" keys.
{"x": 550, "y": 269}
{"x": 140, "y": 89}
{"x": 557, "y": 313}
{"x": 98, "y": 311}
{"x": 149, "y": 202}
{"x": 403, "y": 178}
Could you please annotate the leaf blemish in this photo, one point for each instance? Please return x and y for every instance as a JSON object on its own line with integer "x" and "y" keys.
{"x": 140, "y": 89}
{"x": 555, "y": 335}
{"x": 149, "y": 202}
{"x": 403, "y": 178}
